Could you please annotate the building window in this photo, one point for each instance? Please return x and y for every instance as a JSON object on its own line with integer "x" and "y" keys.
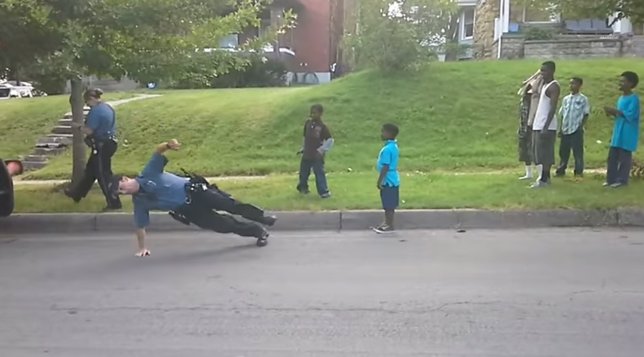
{"x": 467, "y": 23}
{"x": 230, "y": 41}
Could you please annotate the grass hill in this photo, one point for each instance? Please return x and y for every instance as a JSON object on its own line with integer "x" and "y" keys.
{"x": 453, "y": 116}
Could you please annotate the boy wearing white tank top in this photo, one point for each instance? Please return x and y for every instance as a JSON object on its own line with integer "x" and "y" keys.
{"x": 545, "y": 124}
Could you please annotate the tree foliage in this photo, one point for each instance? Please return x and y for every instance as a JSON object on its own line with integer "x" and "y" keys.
{"x": 143, "y": 39}
{"x": 579, "y": 9}
{"x": 396, "y": 35}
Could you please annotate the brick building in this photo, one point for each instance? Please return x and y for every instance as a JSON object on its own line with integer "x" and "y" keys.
{"x": 314, "y": 45}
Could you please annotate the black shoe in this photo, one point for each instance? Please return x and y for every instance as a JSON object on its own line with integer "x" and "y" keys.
{"x": 560, "y": 174}
{"x": 263, "y": 240}
{"x": 69, "y": 194}
{"x": 269, "y": 220}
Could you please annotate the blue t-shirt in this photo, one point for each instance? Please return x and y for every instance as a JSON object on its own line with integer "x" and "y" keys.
{"x": 102, "y": 120}
{"x": 627, "y": 126}
{"x": 389, "y": 156}
{"x": 160, "y": 190}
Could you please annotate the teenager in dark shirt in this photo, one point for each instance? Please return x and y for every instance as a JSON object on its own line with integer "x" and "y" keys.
{"x": 317, "y": 142}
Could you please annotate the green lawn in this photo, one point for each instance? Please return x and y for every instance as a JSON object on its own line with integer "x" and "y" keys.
{"x": 357, "y": 191}
{"x": 23, "y": 121}
{"x": 453, "y": 116}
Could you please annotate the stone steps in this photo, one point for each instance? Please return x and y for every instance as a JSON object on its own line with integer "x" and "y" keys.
{"x": 34, "y": 161}
{"x": 36, "y": 158}
{"x": 49, "y": 151}
{"x": 33, "y": 165}
{"x": 55, "y": 141}
{"x": 68, "y": 115}
{"x": 62, "y": 129}
{"x": 53, "y": 144}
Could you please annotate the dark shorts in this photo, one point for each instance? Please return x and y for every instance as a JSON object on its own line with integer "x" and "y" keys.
{"x": 390, "y": 197}
{"x": 544, "y": 147}
{"x": 525, "y": 145}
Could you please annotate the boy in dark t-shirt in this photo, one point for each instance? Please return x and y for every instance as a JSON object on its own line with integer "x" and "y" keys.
{"x": 317, "y": 142}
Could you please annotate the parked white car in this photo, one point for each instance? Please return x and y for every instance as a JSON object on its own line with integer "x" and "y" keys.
{"x": 24, "y": 90}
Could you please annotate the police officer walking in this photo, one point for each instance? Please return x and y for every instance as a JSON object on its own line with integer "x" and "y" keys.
{"x": 189, "y": 200}
{"x": 100, "y": 131}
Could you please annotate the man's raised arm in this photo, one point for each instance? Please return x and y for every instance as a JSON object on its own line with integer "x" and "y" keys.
{"x": 158, "y": 161}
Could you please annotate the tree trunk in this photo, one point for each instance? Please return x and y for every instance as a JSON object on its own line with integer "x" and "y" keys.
{"x": 78, "y": 119}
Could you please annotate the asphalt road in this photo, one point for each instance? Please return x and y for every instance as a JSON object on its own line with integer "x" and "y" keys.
{"x": 572, "y": 292}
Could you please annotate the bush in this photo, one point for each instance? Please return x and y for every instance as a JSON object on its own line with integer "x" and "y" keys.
{"x": 399, "y": 35}
{"x": 203, "y": 71}
{"x": 259, "y": 73}
{"x": 536, "y": 33}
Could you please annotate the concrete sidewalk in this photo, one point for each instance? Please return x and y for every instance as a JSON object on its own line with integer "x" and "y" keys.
{"x": 338, "y": 220}
{"x": 19, "y": 181}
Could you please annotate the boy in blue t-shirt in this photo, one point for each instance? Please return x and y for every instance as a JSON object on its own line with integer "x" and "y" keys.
{"x": 625, "y": 132}
{"x": 389, "y": 178}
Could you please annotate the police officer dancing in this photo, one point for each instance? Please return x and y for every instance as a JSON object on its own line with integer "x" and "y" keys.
{"x": 100, "y": 131}
{"x": 189, "y": 200}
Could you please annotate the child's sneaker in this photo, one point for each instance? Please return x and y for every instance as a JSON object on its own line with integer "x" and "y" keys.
{"x": 379, "y": 226}
{"x": 383, "y": 229}
{"x": 326, "y": 195}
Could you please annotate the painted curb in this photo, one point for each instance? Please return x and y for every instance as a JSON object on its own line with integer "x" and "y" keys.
{"x": 338, "y": 220}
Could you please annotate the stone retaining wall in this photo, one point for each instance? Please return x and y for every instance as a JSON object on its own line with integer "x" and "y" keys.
{"x": 514, "y": 47}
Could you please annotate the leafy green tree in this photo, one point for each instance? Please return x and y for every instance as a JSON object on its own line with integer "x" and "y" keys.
{"x": 396, "y": 35}
{"x": 143, "y": 39}
{"x": 633, "y": 9}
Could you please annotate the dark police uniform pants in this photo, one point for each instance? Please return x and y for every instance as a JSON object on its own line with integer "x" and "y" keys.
{"x": 202, "y": 213}
{"x": 99, "y": 167}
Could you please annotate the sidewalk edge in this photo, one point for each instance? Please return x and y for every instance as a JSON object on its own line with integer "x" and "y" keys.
{"x": 339, "y": 220}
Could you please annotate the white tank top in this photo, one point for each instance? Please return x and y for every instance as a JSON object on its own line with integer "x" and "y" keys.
{"x": 543, "y": 109}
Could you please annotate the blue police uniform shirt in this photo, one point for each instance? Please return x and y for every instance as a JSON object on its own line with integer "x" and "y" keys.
{"x": 627, "y": 126}
{"x": 102, "y": 120}
{"x": 160, "y": 190}
{"x": 389, "y": 156}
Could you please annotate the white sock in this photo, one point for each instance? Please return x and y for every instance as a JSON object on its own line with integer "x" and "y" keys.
{"x": 528, "y": 173}
{"x": 539, "y": 169}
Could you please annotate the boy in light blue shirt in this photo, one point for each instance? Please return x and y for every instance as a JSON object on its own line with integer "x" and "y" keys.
{"x": 625, "y": 132}
{"x": 389, "y": 179}
{"x": 574, "y": 113}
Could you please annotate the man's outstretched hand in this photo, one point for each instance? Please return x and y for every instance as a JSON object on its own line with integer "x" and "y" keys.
{"x": 143, "y": 253}
{"x": 174, "y": 144}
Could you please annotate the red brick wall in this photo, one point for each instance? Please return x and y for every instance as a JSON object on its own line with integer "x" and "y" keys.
{"x": 312, "y": 36}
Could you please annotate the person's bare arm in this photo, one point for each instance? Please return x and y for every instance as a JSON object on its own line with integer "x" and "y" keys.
{"x": 552, "y": 93}
{"x": 383, "y": 174}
